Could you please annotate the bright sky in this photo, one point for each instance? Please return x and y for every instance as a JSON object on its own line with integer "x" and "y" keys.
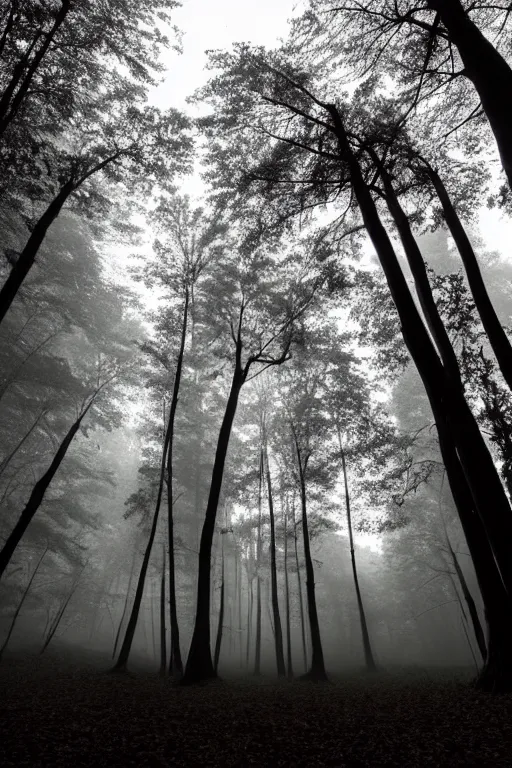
{"x": 212, "y": 24}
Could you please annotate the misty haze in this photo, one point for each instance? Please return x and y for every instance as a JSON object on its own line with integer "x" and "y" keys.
{"x": 255, "y": 383}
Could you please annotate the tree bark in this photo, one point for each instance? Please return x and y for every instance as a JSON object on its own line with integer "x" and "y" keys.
{"x": 20, "y": 604}
{"x": 368, "y": 653}
{"x": 218, "y": 641}
{"x": 317, "y": 668}
{"x": 487, "y": 70}
{"x": 299, "y": 586}
{"x": 495, "y": 332}
{"x": 483, "y": 480}
{"x": 60, "y": 614}
{"x": 163, "y": 643}
{"x": 468, "y": 597}
{"x": 287, "y": 596}
{"x": 125, "y": 606}
{"x": 257, "y": 643}
{"x": 278, "y": 632}
{"x": 38, "y": 493}
{"x": 28, "y": 255}
{"x": 199, "y": 662}
{"x": 177, "y": 667}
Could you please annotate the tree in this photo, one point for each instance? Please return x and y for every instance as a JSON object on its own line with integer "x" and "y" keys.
{"x": 262, "y": 328}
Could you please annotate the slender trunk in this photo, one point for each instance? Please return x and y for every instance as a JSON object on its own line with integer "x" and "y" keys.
{"x": 287, "y": 596}
{"x": 124, "y": 653}
{"x": 249, "y": 618}
{"x": 468, "y": 597}
{"x": 153, "y": 619}
{"x": 163, "y": 644}
{"x": 299, "y": 586}
{"x": 27, "y": 257}
{"x": 257, "y": 639}
{"x": 199, "y": 662}
{"x": 488, "y": 495}
{"x": 37, "y": 495}
{"x": 239, "y": 571}
{"x": 218, "y": 641}
{"x": 495, "y": 332}
{"x": 126, "y": 601}
{"x": 177, "y": 668}
{"x": 5, "y": 462}
{"x": 60, "y": 613}
{"x": 486, "y": 68}
{"x": 317, "y": 668}
{"x": 368, "y": 653}
{"x": 257, "y": 650}
{"x": 20, "y": 604}
{"x": 8, "y": 108}
{"x": 281, "y": 668}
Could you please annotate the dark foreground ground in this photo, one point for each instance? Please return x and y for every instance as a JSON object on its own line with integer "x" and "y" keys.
{"x": 57, "y": 712}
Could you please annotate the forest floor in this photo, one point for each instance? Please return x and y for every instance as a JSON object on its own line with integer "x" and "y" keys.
{"x": 60, "y": 712}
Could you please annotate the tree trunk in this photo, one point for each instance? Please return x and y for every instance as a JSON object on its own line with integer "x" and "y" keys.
{"x": 177, "y": 668}
{"x": 37, "y": 495}
{"x": 299, "y": 586}
{"x": 11, "y": 102}
{"x": 468, "y": 597}
{"x": 487, "y": 70}
{"x": 126, "y": 600}
{"x": 218, "y": 641}
{"x": 317, "y": 668}
{"x": 163, "y": 643}
{"x": 488, "y": 494}
{"x": 27, "y": 257}
{"x": 495, "y": 332}
{"x": 496, "y": 674}
{"x": 287, "y": 596}
{"x": 278, "y": 633}
{"x": 257, "y": 649}
{"x": 20, "y": 604}
{"x": 368, "y": 653}
{"x": 249, "y": 618}
{"x": 60, "y": 614}
{"x": 199, "y": 662}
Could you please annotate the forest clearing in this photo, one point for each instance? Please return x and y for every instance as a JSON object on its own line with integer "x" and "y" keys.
{"x": 59, "y": 713}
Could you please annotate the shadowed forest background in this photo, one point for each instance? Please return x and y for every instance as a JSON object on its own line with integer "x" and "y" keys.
{"x": 255, "y": 387}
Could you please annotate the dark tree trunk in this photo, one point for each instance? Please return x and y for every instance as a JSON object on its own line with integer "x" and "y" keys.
{"x": 37, "y": 495}
{"x": 124, "y": 653}
{"x": 287, "y": 596}
{"x": 299, "y": 586}
{"x": 496, "y": 674}
{"x": 249, "y": 618}
{"x": 495, "y": 332}
{"x": 483, "y": 480}
{"x": 218, "y": 641}
{"x": 60, "y": 613}
{"x": 239, "y": 585}
{"x": 487, "y": 70}
{"x": 27, "y": 257}
{"x": 257, "y": 639}
{"x": 20, "y": 604}
{"x": 257, "y": 644}
{"x": 11, "y": 99}
{"x": 317, "y": 668}
{"x": 368, "y": 653}
{"x": 163, "y": 642}
{"x": 126, "y": 601}
{"x": 468, "y": 597}
{"x": 177, "y": 667}
{"x": 199, "y": 662}
{"x": 281, "y": 669}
